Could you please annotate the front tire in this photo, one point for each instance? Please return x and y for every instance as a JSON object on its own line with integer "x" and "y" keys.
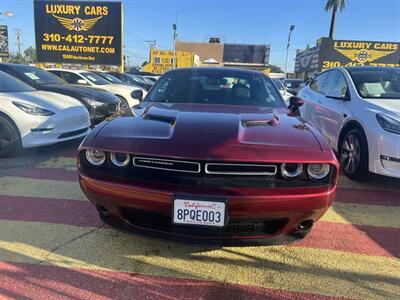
{"x": 354, "y": 155}
{"x": 10, "y": 139}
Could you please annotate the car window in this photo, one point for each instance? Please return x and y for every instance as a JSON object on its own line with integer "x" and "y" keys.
{"x": 337, "y": 85}
{"x": 110, "y": 78}
{"x": 319, "y": 83}
{"x": 34, "y": 75}
{"x": 10, "y": 84}
{"x": 71, "y": 77}
{"x": 94, "y": 78}
{"x": 216, "y": 87}
{"x": 379, "y": 83}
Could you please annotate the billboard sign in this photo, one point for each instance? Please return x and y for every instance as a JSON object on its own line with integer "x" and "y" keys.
{"x": 307, "y": 60}
{"x": 250, "y": 54}
{"x": 336, "y": 53}
{"x": 86, "y": 32}
{"x": 3, "y": 41}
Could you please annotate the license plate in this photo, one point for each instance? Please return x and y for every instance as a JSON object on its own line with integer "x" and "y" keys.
{"x": 202, "y": 213}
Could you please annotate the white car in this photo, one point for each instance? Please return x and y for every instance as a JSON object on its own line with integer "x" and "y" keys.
{"x": 284, "y": 93}
{"x": 30, "y": 118}
{"x": 126, "y": 93}
{"x": 357, "y": 109}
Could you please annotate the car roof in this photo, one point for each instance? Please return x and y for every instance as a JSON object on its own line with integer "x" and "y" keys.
{"x": 368, "y": 68}
{"x": 227, "y": 71}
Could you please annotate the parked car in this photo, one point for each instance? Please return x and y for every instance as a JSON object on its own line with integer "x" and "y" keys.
{"x": 132, "y": 79}
{"x": 30, "y": 118}
{"x": 211, "y": 162}
{"x": 81, "y": 77}
{"x": 293, "y": 86}
{"x": 148, "y": 75}
{"x": 109, "y": 77}
{"x": 99, "y": 103}
{"x": 357, "y": 109}
{"x": 279, "y": 85}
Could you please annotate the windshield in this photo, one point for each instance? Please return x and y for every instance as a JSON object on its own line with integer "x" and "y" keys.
{"x": 95, "y": 79}
{"x": 293, "y": 84}
{"x": 135, "y": 78}
{"x": 278, "y": 84}
{"x": 223, "y": 87}
{"x": 9, "y": 84}
{"x": 380, "y": 83}
{"x": 38, "y": 76}
{"x": 110, "y": 78}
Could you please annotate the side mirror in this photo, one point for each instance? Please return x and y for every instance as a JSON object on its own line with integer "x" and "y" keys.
{"x": 295, "y": 103}
{"x": 82, "y": 81}
{"x": 137, "y": 94}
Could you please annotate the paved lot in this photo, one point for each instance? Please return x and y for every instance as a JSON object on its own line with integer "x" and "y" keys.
{"x": 53, "y": 245}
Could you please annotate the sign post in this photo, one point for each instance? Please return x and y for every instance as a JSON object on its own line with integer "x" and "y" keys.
{"x": 84, "y": 32}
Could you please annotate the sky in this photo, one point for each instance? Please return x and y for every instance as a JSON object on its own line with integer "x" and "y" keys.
{"x": 234, "y": 21}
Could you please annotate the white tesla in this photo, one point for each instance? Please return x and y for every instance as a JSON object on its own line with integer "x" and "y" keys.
{"x": 30, "y": 118}
{"x": 125, "y": 92}
{"x": 357, "y": 109}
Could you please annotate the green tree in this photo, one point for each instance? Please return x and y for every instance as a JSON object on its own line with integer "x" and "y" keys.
{"x": 16, "y": 58}
{"x": 30, "y": 54}
{"x": 334, "y": 5}
{"x": 275, "y": 69}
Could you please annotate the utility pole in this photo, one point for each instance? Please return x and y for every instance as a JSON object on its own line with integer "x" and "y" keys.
{"x": 18, "y": 34}
{"x": 287, "y": 49}
{"x": 174, "y": 41}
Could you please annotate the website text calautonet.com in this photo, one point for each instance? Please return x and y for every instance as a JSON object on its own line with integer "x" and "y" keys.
{"x": 78, "y": 49}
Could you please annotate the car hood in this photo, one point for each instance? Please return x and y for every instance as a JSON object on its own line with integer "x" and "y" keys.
{"x": 207, "y": 132}
{"x": 52, "y": 101}
{"x": 79, "y": 91}
{"x": 392, "y": 105}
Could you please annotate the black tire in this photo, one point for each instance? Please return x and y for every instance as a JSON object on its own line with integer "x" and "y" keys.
{"x": 354, "y": 155}
{"x": 10, "y": 139}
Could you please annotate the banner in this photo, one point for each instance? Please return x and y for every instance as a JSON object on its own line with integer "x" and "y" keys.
{"x": 86, "y": 32}
{"x": 3, "y": 41}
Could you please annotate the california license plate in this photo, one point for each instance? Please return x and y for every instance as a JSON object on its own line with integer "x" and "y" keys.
{"x": 202, "y": 213}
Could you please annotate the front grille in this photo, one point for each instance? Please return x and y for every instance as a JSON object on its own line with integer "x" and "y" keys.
{"x": 72, "y": 133}
{"x": 234, "y": 228}
{"x": 180, "y": 173}
{"x": 167, "y": 164}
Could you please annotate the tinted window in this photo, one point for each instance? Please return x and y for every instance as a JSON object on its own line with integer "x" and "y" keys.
{"x": 319, "y": 83}
{"x": 379, "y": 83}
{"x": 293, "y": 84}
{"x": 278, "y": 84}
{"x": 70, "y": 77}
{"x": 215, "y": 87}
{"x": 110, "y": 78}
{"x": 34, "y": 75}
{"x": 9, "y": 84}
{"x": 337, "y": 85}
{"x": 94, "y": 78}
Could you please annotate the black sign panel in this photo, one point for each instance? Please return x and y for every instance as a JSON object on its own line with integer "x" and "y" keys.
{"x": 336, "y": 53}
{"x": 239, "y": 53}
{"x": 86, "y": 32}
{"x": 3, "y": 41}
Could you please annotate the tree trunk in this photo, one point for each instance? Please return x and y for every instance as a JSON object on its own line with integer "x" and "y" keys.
{"x": 333, "y": 22}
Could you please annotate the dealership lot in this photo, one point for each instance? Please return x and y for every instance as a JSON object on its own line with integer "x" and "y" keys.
{"x": 52, "y": 244}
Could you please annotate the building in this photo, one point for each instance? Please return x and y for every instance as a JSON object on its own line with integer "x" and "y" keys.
{"x": 329, "y": 53}
{"x": 162, "y": 60}
{"x": 215, "y": 53}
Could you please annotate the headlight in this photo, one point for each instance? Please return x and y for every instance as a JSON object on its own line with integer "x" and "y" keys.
{"x": 92, "y": 102}
{"x": 120, "y": 159}
{"x": 291, "y": 170}
{"x": 318, "y": 171}
{"x": 33, "y": 110}
{"x": 95, "y": 157}
{"x": 388, "y": 123}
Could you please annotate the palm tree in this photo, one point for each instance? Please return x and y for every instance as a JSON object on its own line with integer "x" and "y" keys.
{"x": 334, "y": 5}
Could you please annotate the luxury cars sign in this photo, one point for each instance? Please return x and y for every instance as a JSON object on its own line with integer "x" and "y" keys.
{"x": 336, "y": 53}
{"x": 87, "y": 32}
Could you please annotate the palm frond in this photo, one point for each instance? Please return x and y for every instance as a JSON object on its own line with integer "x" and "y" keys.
{"x": 340, "y": 4}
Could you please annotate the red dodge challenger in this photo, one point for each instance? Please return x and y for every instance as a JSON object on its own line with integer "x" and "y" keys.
{"x": 211, "y": 154}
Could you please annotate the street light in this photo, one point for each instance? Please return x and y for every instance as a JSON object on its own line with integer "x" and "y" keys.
{"x": 7, "y": 14}
{"x": 287, "y": 49}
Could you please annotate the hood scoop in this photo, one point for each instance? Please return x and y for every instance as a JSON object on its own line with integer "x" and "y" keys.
{"x": 260, "y": 122}
{"x": 160, "y": 115}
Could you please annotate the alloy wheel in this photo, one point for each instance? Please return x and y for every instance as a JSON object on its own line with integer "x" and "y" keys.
{"x": 350, "y": 154}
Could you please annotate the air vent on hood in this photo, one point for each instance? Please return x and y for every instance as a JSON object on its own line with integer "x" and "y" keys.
{"x": 254, "y": 123}
{"x": 160, "y": 118}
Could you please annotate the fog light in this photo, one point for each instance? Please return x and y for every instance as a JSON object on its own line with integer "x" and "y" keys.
{"x": 291, "y": 170}
{"x": 95, "y": 157}
{"x": 120, "y": 159}
{"x": 318, "y": 171}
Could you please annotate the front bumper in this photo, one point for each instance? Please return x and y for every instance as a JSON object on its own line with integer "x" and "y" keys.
{"x": 254, "y": 214}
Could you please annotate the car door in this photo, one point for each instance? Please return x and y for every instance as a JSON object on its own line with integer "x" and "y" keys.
{"x": 312, "y": 96}
{"x": 334, "y": 106}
